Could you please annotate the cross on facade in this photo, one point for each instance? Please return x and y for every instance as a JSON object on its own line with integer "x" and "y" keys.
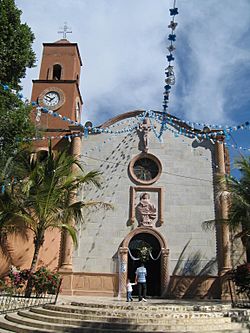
{"x": 65, "y": 30}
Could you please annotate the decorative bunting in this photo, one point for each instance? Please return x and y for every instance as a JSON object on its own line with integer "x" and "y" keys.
{"x": 169, "y": 71}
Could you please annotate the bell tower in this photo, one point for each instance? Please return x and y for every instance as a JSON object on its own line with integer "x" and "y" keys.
{"x": 57, "y": 89}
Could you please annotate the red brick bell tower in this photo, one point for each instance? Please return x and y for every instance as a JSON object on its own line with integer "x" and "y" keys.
{"x": 57, "y": 90}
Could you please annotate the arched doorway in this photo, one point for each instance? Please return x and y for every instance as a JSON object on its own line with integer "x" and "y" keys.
{"x": 152, "y": 264}
{"x": 158, "y": 275}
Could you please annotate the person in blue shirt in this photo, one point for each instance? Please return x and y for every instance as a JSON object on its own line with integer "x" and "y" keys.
{"x": 140, "y": 279}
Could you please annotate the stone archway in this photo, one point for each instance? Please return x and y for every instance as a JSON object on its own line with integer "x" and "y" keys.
{"x": 123, "y": 258}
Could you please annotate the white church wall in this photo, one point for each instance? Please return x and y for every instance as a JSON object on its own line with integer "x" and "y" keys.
{"x": 187, "y": 178}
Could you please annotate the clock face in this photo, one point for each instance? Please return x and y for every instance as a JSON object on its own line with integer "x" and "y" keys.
{"x": 51, "y": 98}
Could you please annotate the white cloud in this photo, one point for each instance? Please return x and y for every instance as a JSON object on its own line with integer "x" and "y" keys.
{"x": 123, "y": 47}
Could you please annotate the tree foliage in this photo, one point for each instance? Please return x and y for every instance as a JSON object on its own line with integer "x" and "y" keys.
{"x": 237, "y": 193}
{"x": 16, "y": 40}
{"x": 46, "y": 197}
{"x": 16, "y": 55}
{"x": 15, "y": 125}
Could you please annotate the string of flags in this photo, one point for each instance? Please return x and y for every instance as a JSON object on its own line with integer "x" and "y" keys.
{"x": 169, "y": 70}
{"x": 20, "y": 95}
{"x": 167, "y": 119}
{"x": 151, "y": 114}
{"x": 193, "y": 125}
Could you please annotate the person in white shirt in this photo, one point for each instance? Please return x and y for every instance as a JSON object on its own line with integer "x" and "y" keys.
{"x": 140, "y": 279}
{"x": 129, "y": 290}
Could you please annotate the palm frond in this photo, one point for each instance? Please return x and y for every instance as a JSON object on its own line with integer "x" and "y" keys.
{"x": 70, "y": 229}
{"x": 180, "y": 259}
{"x": 211, "y": 224}
{"x": 97, "y": 205}
{"x": 46, "y": 197}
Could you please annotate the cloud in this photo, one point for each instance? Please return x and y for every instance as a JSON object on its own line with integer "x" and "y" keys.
{"x": 123, "y": 47}
{"x": 213, "y": 32}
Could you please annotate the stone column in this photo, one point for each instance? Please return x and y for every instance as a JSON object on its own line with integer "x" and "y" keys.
{"x": 223, "y": 237}
{"x": 123, "y": 270}
{"x": 132, "y": 205}
{"x": 161, "y": 205}
{"x": 164, "y": 271}
{"x": 66, "y": 240}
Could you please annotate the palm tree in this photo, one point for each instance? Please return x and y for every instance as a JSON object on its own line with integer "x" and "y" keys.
{"x": 238, "y": 194}
{"x": 46, "y": 197}
{"x": 239, "y": 203}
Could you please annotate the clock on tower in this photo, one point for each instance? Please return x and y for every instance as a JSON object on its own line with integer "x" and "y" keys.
{"x": 57, "y": 88}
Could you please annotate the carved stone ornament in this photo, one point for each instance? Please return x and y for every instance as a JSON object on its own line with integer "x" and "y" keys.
{"x": 145, "y": 212}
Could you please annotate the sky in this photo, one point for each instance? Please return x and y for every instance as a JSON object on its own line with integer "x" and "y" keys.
{"x": 123, "y": 48}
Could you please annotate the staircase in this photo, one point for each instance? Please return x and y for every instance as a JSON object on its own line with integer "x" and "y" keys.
{"x": 117, "y": 317}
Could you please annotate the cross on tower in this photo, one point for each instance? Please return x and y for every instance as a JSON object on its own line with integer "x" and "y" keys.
{"x": 65, "y": 30}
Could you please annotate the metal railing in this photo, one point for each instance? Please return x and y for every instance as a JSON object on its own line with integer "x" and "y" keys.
{"x": 16, "y": 301}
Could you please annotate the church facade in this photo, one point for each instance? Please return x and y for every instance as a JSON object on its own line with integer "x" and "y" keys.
{"x": 162, "y": 190}
{"x": 178, "y": 177}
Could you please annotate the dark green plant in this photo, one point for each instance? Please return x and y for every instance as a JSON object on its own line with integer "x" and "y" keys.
{"x": 16, "y": 40}
{"x": 16, "y": 55}
{"x": 241, "y": 277}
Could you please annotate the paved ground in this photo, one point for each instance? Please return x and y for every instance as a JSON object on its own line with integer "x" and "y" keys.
{"x": 116, "y": 300}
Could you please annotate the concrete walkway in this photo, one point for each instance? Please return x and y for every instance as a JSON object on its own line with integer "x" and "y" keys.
{"x": 154, "y": 301}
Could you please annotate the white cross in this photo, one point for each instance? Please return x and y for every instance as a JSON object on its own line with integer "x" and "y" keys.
{"x": 65, "y": 30}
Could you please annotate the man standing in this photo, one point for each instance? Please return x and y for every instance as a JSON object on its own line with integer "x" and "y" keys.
{"x": 140, "y": 279}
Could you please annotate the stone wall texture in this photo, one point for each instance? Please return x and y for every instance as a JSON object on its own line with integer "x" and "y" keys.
{"x": 187, "y": 180}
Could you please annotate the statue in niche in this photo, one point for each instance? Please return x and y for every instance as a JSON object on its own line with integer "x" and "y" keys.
{"x": 144, "y": 128}
{"x": 145, "y": 211}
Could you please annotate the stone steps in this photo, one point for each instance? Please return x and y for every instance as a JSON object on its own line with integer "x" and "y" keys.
{"x": 172, "y": 318}
{"x": 154, "y": 306}
{"x": 117, "y": 318}
{"x": 153, "y": 325}
{"x": 132, "y": 313}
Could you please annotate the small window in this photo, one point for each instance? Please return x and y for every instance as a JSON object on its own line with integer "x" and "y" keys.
{"x": 145, "y": 169}
{"x": 57, "y": 72}
{"x": 78, "y": 111}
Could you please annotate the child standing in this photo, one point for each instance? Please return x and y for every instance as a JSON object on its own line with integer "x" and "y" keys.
{"x": 129, "y": 290}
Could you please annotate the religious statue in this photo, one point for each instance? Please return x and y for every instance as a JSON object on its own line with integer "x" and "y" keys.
{"x": 145, "y": 211}
{"x": 145, "y": 128}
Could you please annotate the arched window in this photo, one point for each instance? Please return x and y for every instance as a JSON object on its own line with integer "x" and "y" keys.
{"x": 57, "y": 72}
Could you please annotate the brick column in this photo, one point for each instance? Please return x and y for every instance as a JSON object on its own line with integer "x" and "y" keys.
{"x": 164, "y": 271}
{"x": 66, "y": 240}
{"x": 223, "y": 235}
{"x": 123, "y": 270}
